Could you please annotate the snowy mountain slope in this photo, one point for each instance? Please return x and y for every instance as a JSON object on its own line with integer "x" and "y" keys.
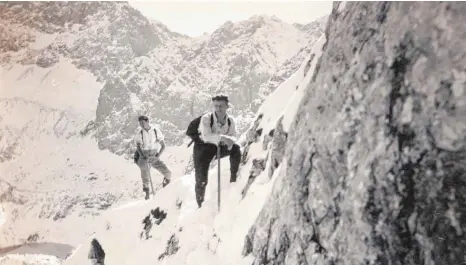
{"x": 52, "y": 175}
{"x": 186, "y": 235}
{"x": 47, "y": 175}
{"x": 142, "y": 66}
{"x": 314, "y": 29}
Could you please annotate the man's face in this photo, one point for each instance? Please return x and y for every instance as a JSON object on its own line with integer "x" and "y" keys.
{"x": 220, "y": 107}
{"x": 144, "y": 124}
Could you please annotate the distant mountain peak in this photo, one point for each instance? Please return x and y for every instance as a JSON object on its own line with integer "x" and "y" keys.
{"x": 144, "y": 66}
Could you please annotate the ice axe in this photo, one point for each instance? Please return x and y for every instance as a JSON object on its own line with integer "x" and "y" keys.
{"x": 151, "y": 185}
{"x": 218, "y": 176}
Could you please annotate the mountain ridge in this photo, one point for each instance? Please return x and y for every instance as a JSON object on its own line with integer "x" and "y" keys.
{"x": 145, "y": 68}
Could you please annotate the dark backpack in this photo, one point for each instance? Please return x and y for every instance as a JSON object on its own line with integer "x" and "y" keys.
{"x": 193, "y": 129}
{"x": 136, "y": 154}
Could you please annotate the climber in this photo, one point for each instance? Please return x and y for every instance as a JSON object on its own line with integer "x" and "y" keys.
{"x": 215, "y": 128}
{"x": 150, "y": 146}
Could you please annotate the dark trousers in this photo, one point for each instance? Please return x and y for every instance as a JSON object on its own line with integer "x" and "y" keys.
{"x": 203, "y": 155}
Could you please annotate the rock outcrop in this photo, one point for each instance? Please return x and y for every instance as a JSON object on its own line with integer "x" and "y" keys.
{"x": 374, "y": 169}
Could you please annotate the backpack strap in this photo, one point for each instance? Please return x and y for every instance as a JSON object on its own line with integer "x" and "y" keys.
{"x": 229, "y": 124}
{"x": 211, "y": 120}
{"x": 155, "y": 132}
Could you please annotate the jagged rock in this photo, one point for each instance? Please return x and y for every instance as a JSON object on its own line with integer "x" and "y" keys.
{"x": 173, "y": 245}
{"x": 376, "y": 154}
{"x": 273, "y": 143}
{"x": 8, "y": 152}
{"x": 47, "y": 58}
{"x": 96, "y": 253}
{"x": 258, "y": 166}
{"x": 33, "y": 238}
{"x": 179, "y": 202}
{"x": 90, "y": 127}
{"x": 277, "y": 147}
{"x": 10, "y": 194}
{"x": 252, "y": 135}
{"x": 156, "y": 216}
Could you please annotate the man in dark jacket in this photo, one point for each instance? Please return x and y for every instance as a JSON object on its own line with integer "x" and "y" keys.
{"x": 222, "y": 133}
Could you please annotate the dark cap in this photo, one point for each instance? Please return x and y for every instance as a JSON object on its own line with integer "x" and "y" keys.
{"x": 143, "y": 118}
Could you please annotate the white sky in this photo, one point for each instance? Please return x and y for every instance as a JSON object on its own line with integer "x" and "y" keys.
{"x": 193, "y": 18}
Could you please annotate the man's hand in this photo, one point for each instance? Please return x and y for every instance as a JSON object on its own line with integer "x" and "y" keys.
{"x": 227, "y": 140}
{"x": 153, "y": 158}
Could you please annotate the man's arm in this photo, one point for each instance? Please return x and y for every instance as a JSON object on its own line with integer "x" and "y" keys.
{"x": 161, "y": 139}
{"x": 162, "y": 144}
{"x": 139, "y": 149}
{"x": 230, "y": 138}
{"x": 206, "y": 132}
{"x": 232, "y": 130}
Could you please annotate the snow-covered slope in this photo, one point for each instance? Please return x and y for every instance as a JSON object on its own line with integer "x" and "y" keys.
{"x": 54, "y": 177}
{"x": 179, "y": 233}
{"x": 29, "y": 259}
{"x": 45, "y": 175}
{"x": 314, "y": 29}
{"x": 143, "y": 67}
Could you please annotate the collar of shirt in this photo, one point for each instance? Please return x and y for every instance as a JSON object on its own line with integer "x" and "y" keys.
{"x": 217, "y": 121}
{"x": 221, "y": 128}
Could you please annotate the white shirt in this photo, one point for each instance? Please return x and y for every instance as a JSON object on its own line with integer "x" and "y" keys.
{"x": 213, "y": 135}
{"x": 148, "y": 139}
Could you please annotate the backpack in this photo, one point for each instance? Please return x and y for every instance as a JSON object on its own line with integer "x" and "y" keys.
{"x": 136, "y": 154}
{"x": 193, "y": 128}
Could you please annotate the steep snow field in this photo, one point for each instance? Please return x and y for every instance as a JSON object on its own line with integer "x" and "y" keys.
{"x": 192, "y": 236}
{"x": 52, "y": 177}
{"x": 62, "y": 87}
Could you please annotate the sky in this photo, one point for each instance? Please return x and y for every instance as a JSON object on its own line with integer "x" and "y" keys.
{"x": 193, "y": 18}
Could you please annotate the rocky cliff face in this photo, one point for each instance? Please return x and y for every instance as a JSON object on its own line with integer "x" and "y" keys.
{"x": 374, "y": 161}
{"x": 143, "y": 67}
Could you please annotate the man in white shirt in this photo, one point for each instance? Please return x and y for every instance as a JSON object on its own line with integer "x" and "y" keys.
{"x": 222, "y": 133}
{"x": 150, "y": 145}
